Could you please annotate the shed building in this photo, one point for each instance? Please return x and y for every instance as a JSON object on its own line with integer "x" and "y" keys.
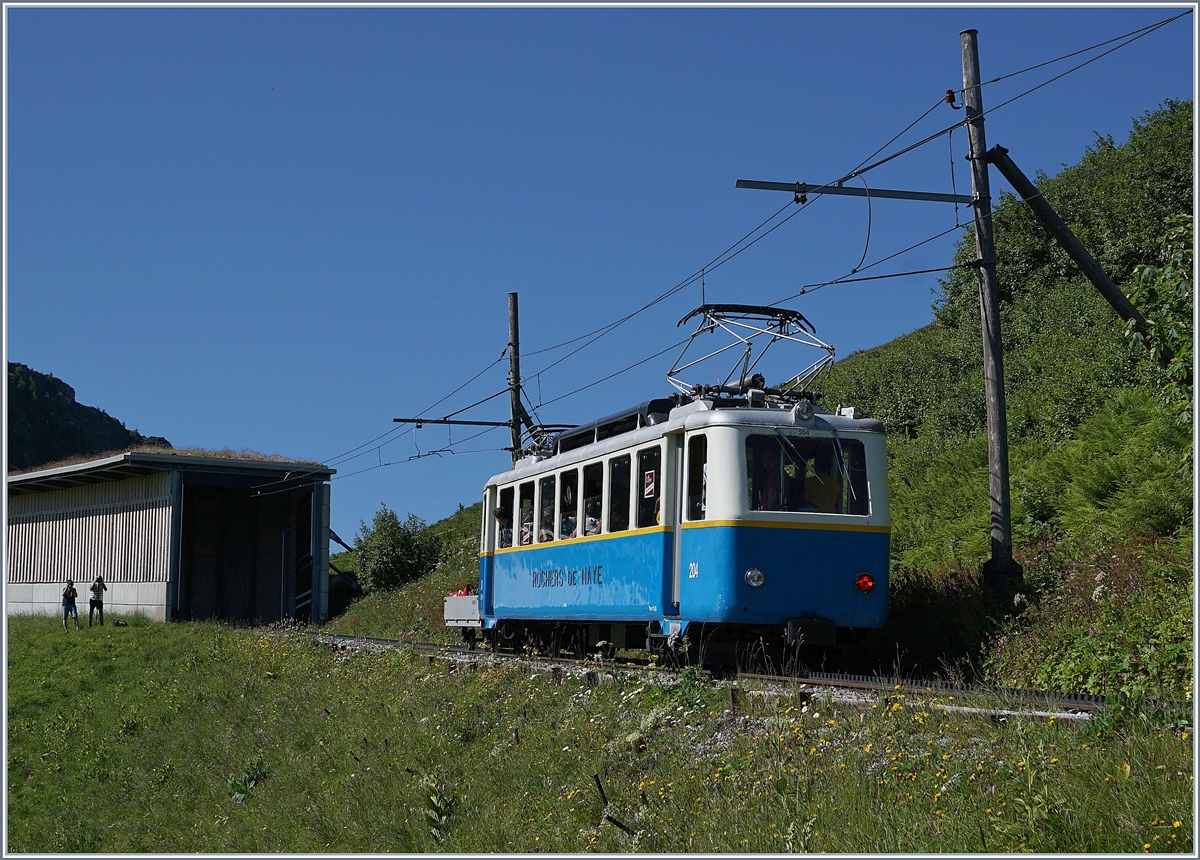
{"x": 175, "y": 537}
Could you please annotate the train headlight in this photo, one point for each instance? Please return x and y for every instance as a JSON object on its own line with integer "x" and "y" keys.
{"x": 755, "y": 577}
{"x": 803, "y": 410}
{"x": 865, "y": 582}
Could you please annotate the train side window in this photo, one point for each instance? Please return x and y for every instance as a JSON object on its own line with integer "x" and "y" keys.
{"x": 546, "y": 518}
{"x": 618, "y": 493}
{"x": 525, "y": 537}
{"x": 649, "y": 487}
{"x": 697, "y": 490}
{"x": 593, "y": 496}
{"x": 856, "y": 497}
{"x": 504, "y": 518}
{"x": 568, "y": 504}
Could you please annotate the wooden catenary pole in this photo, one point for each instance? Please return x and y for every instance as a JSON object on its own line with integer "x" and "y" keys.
{"x": 516, "y": 410}
{"x": 989, "y": 308}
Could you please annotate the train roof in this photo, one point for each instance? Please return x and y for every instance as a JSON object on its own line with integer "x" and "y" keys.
{"x": 652, "y": 419}
{"x": 644, "y": 414}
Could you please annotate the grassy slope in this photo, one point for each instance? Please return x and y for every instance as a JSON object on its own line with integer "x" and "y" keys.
{"x": 198, "y": 737}
{"x": 414, "y": 611}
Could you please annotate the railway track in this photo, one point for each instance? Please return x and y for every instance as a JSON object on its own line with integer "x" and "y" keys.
{"x": 847, "y": 688}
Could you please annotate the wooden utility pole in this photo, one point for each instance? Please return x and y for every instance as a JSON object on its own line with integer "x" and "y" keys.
{"x": 516, "y": 410}
{"x": 989, "y": 309}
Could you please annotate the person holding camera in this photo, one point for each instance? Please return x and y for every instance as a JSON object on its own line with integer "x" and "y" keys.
{"x": 68, "y": 605}
{"x": 96, "y": 604}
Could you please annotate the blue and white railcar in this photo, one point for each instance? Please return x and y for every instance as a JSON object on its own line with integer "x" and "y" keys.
{"x": 704, "y": 520}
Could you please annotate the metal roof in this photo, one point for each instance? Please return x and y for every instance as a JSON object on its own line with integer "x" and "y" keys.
{"x": 137, "y": 463}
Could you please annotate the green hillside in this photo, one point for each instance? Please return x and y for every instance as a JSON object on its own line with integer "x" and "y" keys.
{"x": 414, "y": 610}
{"x": 1074, "y": 384}
{"x": 46, "y": 424}
{"x": 1100, "y": 460}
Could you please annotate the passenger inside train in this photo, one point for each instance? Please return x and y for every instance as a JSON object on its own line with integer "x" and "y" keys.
{"x": 503, "y": 527}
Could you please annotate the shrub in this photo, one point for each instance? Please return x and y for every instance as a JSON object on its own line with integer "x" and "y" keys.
{"x": 1110, "y": 618}
{"x": 390, "y": 553}
{"x": 1164, "y": 294}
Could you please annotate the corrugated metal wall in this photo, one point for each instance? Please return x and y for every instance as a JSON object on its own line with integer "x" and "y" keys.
{"x": 121, "y": 529}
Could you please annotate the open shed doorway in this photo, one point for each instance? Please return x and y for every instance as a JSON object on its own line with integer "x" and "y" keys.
{"x": 245, "y": 555}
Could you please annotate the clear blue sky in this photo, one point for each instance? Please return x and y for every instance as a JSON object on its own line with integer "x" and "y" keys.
{"x": 277, "y": 229}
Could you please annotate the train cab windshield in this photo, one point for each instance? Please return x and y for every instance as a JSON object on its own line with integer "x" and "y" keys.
{"x": 786, "y": 472}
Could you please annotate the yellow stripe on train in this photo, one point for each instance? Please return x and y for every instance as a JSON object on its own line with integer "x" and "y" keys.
{"x": 775, "y": 524}
{"x": 585, "y": 539}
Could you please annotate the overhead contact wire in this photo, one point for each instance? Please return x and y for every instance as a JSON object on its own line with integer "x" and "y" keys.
{"x": 1141, "y": 31}
{"x": 742, "y": 244}
{"x": 1128, "y": 41}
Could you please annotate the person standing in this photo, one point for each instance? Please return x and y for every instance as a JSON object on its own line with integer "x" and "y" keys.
{"x": 68, "y": 605}
{"x": 96, "y": 604}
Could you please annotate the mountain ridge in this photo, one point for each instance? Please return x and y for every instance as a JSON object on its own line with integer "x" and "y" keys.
{"x": 47, "y": 424}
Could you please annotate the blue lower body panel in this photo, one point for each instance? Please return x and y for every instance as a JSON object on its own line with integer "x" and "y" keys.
{"x": 615, "y": 578}
{"x": 809, "y": 572}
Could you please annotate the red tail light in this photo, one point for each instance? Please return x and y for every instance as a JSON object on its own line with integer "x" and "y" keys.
{"x": 865, "y": 582}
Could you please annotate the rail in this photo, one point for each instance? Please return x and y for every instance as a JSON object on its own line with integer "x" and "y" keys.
{"x": 1066, "y": 703}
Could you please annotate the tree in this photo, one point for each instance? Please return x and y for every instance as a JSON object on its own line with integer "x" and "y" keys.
{"x": 389, "y": 553}
{"x": 1163, "y": 294}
